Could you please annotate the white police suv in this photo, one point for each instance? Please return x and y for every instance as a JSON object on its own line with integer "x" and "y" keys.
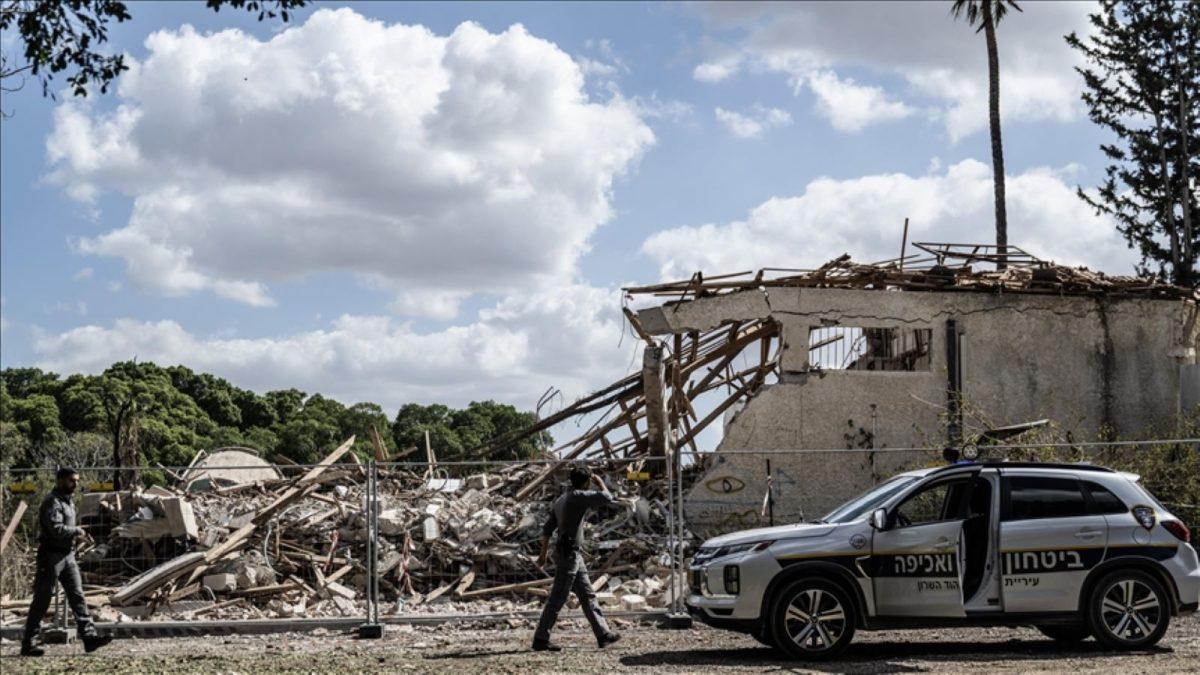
{"x": 1074, "y": 550}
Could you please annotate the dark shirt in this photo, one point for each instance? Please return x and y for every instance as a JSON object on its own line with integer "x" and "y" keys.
{"x": 56, "y": 523}
{"x": 568, "y": 513}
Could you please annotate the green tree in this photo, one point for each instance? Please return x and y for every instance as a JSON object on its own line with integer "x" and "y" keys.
{"x": 303, "y": 439}
{"x": 70, "y": 35}
{"x": 254, "y": 410}
{"x": 1141, "y": 83}
{"x": 214, "y": 395}
{"x": 986, "y": 14}
{"x": 36, "y": 417}
{"x": 358, "y": 419}
{"x": 263, "y": 440}
{"x": 147, "y": 418}
{"x": 6, "y": 402}
{"x": 285, "y": 404}
{"x": 22, "y": 382}
{"x": 454, "y": 434}
{"x": 79, "y": 404}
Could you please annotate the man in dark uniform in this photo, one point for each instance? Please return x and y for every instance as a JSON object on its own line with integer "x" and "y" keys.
{"x": 57, "y": 533}
{"x": 570, "y": 574}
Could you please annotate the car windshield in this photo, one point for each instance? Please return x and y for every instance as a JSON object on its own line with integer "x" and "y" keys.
{"x": 868, "y": 501}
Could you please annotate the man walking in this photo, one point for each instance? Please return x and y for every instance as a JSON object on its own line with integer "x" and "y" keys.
{"x": 57, "y": 533}
{"x": 567, "y": 516}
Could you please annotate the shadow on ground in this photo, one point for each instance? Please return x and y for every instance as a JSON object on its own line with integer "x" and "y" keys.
{"x": 892, "y": 657}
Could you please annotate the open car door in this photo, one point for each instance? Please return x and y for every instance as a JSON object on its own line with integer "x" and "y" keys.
{"x": 917, "y": 561}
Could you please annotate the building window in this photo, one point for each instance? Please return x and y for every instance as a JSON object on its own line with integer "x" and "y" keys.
{"x": 882, "y": 349}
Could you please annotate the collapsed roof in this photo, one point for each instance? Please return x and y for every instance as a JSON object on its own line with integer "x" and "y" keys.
{"x": 939, "y": 267}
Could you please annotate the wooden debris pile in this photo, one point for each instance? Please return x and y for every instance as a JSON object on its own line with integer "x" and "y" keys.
{"x": 939, "y": 267}
{"x": 296, "y": 546}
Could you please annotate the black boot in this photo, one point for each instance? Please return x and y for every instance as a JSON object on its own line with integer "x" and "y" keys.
{"x": 27, "y": 649}
{"x": 93, "y": 642}
{"x": 545, "y": 646}
{"x": 607, "y": 639}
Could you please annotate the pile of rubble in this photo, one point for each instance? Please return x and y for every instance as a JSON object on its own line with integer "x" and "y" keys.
{"x": 297, "y": 546}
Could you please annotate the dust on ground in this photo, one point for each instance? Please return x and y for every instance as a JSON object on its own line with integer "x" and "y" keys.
{"x": 643, "y": 648}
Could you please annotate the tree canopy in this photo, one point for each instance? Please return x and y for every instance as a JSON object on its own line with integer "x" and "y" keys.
{"x": 1141, "y": 82}
{"x": 154, "y": 415}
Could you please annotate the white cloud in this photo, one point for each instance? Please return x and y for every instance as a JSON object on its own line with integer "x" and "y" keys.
{"x": 718, "y": 69}
{"x": 653, "y": 107}
{"x": 753, "y": 122}
{"x": 851, "y": 107}
{"x": 473, "y": 162}
{"x": 918, "y": 43}
{"x": 83, "y": 274}
{"x": 864, "y": 216}
{"x": 594, "y": 68}
{"x": 430, "y": 304}
{"x": 567, "y": 338}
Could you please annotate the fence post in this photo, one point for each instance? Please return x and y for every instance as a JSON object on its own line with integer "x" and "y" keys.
{"x": 677, "y": 616}
{"x": 372, "y": 629}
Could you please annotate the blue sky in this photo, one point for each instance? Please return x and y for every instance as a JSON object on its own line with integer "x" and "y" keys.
{"x": 446, "y": 212}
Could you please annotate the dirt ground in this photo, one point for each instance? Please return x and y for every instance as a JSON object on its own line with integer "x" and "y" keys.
{"x": 642, "y": 649}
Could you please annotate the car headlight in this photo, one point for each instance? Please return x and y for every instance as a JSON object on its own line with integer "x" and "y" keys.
{"x": 711, "y": 553}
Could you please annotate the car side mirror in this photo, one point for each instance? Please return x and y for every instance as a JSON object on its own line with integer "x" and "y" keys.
{"x": 879, "y": 519}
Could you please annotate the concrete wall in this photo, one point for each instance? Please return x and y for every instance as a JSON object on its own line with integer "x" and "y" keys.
{"x": 1090, "y": 365}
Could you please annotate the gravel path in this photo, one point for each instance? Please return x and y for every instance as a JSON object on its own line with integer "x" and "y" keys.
{"x": 643, "y": 648}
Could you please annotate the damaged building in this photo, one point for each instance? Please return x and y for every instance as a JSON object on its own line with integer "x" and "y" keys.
{"x": 924, "y": 352}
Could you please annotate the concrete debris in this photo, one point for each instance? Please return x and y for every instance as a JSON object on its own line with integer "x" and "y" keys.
{"x": 633, "y": 602}
{"x": 296, "y": 546}
{"x": 219, "y": 583}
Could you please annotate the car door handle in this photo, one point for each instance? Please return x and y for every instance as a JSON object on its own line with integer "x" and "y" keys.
{"x": 1088, "y": 534}
{"x": 942, "y": 544}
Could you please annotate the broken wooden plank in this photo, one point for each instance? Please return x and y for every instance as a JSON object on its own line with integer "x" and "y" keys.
{"x": 437, "y": 593}
{"x": 464, "y": 583}
{"x": 381, "y": 454}
{"x": 273, "y": 589}
{"x": 214, "y": 607}
{"x": 156, "y": 577}
{"x": 182, "y": 593}
{"x": 12, "y": 524}
{"x": 506, "y": 588}
{"x": 637, "y": 326}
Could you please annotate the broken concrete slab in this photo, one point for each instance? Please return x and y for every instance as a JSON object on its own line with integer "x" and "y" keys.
{"x": 220, "y": 583}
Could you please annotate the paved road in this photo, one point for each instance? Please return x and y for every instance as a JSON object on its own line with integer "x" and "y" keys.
{"x": 644, "y": 649}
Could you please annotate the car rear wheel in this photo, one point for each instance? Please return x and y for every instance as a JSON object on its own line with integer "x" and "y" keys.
{"x": 813, "y": 619}
{"x": 1129, "y": 609}
{"x": 1066, "y": 633}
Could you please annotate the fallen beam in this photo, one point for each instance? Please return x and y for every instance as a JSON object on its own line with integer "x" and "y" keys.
{"x": 12, "y": 525}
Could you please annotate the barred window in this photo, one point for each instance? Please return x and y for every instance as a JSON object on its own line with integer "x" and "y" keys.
{"x": 881, "y": 349}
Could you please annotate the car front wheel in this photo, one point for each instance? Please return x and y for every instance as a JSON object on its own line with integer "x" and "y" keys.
{"x": 1129, "y": 609}
{"x": 813, "y": 619}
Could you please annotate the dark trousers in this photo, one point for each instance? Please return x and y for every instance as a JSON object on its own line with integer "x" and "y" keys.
{"x": 61, "y": 567}
{"x": 570, "y": 574}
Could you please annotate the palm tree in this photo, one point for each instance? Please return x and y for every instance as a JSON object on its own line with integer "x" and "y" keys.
{"x": 986, "y": 14}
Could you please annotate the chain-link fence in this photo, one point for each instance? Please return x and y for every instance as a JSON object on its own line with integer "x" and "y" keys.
{"x": 232, "y": 539}
{"x": 227, "y": 541}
